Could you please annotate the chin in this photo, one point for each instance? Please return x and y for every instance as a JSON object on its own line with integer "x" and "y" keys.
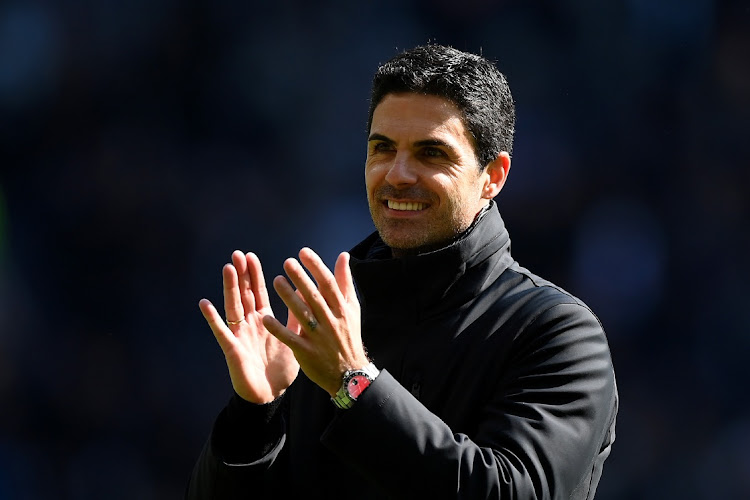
{"x": 411, "y": 245}
{"x": 402, "y": 244}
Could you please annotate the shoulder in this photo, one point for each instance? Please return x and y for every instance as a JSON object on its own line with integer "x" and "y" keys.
{"x": 555, "y": 334}
{"x": 540, "y": 296}
{"x": 536, "y": 310}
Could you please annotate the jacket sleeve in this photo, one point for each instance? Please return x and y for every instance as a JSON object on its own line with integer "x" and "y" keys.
{"x": 245, "y": 441}
{"x": 543, "y": 434}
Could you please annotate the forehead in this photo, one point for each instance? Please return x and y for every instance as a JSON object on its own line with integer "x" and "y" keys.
{"x": 413, "y": 117}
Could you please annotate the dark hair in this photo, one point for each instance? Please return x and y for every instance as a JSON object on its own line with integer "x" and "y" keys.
{"x": 471, "y": 82}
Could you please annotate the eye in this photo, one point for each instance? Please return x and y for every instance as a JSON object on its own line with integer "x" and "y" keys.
{"x": 433, "y": 152}
{"x": 380, "y": 147}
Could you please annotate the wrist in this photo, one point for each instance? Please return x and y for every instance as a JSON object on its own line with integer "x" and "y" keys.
{"x": 353, "y": 385}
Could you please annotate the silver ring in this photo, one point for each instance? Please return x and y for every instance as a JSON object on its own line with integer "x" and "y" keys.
{"x": 312, "y": 324}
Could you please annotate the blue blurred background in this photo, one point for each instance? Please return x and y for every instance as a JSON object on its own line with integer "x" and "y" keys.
{"x": 143, "y": 141}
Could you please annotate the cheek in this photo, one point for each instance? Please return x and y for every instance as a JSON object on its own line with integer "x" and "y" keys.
{"x": 446, "y": 188}
{"x": 369, "y": 181}
{"x": 373, "y": 176}
{"x": 459, "y": 196}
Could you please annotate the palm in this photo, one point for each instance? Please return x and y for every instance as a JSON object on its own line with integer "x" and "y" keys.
{"x": 260, "y": 366}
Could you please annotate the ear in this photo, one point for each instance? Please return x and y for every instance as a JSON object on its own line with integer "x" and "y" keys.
{"x": 495, "y": 175}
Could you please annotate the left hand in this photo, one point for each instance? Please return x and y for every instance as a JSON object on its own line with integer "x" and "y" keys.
{"x": 330, "y": 339}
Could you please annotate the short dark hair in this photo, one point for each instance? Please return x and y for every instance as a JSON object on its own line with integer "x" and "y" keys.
{"x": 471, "y": 82}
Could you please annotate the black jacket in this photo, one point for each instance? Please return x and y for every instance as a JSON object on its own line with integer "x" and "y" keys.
{"x": 494, "y": 384}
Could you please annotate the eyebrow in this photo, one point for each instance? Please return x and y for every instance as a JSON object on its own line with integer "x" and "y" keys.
{"x": 422, "y": 143}
{"x": 380, "y": 137}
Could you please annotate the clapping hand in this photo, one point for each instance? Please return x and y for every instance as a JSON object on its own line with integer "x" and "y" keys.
{"x": 260, "y": 366}
{"x": 326, "y": 336}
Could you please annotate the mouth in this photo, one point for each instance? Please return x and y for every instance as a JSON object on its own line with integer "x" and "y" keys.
{"x": 406, "y": 206}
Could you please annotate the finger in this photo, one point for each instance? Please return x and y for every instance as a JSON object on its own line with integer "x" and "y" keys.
{"x": 327, "y": 284}
{"x": 309, "y": 290}
{"x": 343, "y": 274}
{"x": 258, "y": 282}
{"x": 245, "y": 283}
{"x": 222, "y": 333}
{"x": 232, "y": 302}
{"x": 285, "y": 335}
{"x": 296, "y": 304}
{"x": 292, "y": 323}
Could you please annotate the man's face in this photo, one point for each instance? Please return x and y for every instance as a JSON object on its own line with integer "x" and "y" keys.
{"x": 424, "y": 185}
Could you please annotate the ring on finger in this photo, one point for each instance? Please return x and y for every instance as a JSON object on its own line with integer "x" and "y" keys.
{"x": 231, "y": 323}
{"x": 312, "y": 324}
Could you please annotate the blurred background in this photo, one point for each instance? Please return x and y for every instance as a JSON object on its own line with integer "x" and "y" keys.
{"x": 143, "y": 141}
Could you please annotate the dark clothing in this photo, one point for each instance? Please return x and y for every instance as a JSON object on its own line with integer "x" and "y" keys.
{"x": 494, "y": 384}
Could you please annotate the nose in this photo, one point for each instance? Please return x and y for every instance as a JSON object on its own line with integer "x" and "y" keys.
{"x": 402, "y": 171}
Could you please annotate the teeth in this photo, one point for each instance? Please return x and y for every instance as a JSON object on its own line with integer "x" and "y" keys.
{"x": 395, "y": 205}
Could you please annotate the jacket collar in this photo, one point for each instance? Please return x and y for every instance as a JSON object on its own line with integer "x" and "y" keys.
{"x": 446, "y": 277}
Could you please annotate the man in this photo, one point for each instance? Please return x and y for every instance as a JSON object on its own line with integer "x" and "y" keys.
{"x": 463, "y": 375}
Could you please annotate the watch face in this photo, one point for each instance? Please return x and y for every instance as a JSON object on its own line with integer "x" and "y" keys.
{"x": 356, "y": 385}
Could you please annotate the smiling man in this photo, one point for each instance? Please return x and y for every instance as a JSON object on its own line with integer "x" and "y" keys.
{"x": 424, "y": 183}
{"x": 448, "y": 370}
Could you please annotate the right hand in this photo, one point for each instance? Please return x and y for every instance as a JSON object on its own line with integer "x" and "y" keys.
{"x": 261, "y": 367}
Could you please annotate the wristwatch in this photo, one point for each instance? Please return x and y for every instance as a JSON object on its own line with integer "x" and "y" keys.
{"x": 355, "y": 383}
